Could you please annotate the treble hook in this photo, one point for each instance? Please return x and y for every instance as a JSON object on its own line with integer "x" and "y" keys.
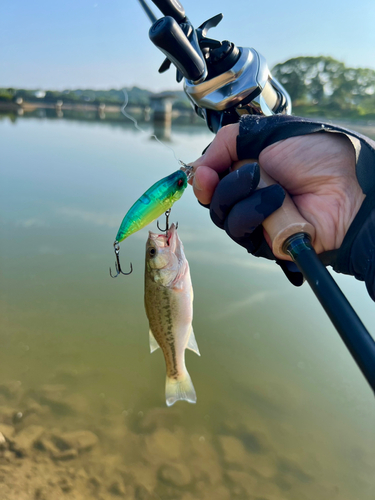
{"x": 167, "y": 214}
{"x": 116, "y": 246}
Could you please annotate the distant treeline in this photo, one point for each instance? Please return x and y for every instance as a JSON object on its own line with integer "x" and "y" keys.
{"x": 324, "y": 86}
{"x": 317, "y": 85}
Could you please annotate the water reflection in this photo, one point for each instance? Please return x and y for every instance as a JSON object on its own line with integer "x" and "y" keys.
{"x": 282, "y": 411}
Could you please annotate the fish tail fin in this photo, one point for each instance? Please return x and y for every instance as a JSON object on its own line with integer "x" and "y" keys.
{"x": 180, "y": 389}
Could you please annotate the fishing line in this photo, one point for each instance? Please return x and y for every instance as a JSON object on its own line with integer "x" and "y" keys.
{"x": 135, "y": 122}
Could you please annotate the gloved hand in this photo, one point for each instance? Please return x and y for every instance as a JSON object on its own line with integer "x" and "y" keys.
{"x": 317, "y": 169}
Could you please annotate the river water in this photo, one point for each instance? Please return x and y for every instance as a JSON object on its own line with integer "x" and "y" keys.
{"x": 282, "y": 413}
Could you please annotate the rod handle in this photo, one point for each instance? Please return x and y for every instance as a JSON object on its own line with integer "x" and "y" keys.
{"x": 285, "y": 221}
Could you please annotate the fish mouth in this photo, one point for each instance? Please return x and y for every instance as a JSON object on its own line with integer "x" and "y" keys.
{"x": 169, "y": 239}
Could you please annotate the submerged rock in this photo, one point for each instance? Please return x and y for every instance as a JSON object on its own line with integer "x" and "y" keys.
{"x": 94, "y": 483}
{"x": 243, "y": 484}
{"x": 77, "y": 440}
{"x": 23, "y": 442}
{"x": 64, "y": 455}
{"x": 66, "y": 485}
{"x": 53, "y": 395}
{"x": 141, "y": 474}
{"x": 34, "y": 408}
{"x": 204, "y": 461}
{"x": 234, "y": 452}
{"x": 163, "y": 446}
{"x": 45, "y": 444}
{"x": 175, "y": 474}
{"x": 117, "y": 488}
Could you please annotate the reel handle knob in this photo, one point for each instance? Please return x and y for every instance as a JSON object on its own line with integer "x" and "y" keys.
{"x": 168, "y": 36}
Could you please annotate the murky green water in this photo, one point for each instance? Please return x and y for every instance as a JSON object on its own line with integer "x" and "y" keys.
{"x": 282, "y": 412}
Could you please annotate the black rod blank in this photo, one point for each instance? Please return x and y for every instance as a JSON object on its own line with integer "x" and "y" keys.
{"x": 351, "y": 329}
{"x": 148, "y": 11}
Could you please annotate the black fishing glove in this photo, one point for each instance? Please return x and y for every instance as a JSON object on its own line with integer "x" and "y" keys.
{"x": 356, "y": 256}
{"x": 240, "y": 209}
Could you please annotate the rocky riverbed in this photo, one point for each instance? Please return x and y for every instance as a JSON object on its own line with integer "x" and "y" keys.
{"x": 56, "y": 445}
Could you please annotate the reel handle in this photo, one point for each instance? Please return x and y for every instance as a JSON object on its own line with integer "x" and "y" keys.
{"x": 285, "y": 221}
{"x": 168, "y": 36}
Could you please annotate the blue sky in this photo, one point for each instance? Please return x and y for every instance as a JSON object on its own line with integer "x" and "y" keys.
{"x": 97, "y": 44}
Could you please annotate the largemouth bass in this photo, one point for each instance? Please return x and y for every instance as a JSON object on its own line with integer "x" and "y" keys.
{"x": 169, "y": 309}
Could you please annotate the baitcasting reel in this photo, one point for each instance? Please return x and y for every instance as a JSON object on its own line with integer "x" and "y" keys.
{"x": 222, "y": 81}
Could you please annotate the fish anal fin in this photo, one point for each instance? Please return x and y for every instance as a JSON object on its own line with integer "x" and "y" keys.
{"x": 192, "y": 343}
{"x": 153, "y": 344}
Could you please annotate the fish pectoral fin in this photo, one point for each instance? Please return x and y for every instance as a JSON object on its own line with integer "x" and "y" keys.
{"x": 153, "y": 344}
{"x": 192, "y": 343}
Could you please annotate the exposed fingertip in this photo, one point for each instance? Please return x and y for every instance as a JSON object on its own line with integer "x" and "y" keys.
{"x": 197, "y": 184}
{"x": 204, "y": 184}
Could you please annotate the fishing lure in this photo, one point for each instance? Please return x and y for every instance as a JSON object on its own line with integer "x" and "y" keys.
{"x": 157, "y": 199}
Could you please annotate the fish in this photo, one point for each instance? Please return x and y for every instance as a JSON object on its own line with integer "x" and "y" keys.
{"x": 169, "y": 309}
{"x": 154, "y": 202}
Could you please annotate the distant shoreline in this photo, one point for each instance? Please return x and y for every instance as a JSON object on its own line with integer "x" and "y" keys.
{"x": 99, "y": 112}
{"x": 31, "y": 106}
{"x": 140, "y": 110}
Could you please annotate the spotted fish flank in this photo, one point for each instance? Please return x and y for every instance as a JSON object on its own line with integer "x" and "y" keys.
{"x": 169, "y": 308}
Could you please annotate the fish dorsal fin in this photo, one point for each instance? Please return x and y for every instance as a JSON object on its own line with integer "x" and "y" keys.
{"x": 192, "y": 343}
{"x": 153, "y": 344}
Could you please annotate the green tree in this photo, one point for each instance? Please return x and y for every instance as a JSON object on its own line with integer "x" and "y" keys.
{"x": 323, "y": 84}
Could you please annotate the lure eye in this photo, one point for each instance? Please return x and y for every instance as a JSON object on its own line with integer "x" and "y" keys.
{"x": 180, "y": 182}
{"x": 152, "y": 252}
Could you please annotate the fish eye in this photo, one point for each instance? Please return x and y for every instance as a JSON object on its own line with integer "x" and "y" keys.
{"x": 180, "y": 182}
{"x": 152, "y": 252}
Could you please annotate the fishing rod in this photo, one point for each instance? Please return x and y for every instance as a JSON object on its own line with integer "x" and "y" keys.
{"x": 224, "y": 82}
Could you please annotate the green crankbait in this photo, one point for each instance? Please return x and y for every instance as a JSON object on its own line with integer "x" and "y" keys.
{"x": 154, "y": 202}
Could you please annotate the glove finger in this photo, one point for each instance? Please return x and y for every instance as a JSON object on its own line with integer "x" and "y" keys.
{"x": 291, "y": 271}
{"x": 221, "y": 176}
{"x": 248, "y": 214}
{"x": 231, "y": 189}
